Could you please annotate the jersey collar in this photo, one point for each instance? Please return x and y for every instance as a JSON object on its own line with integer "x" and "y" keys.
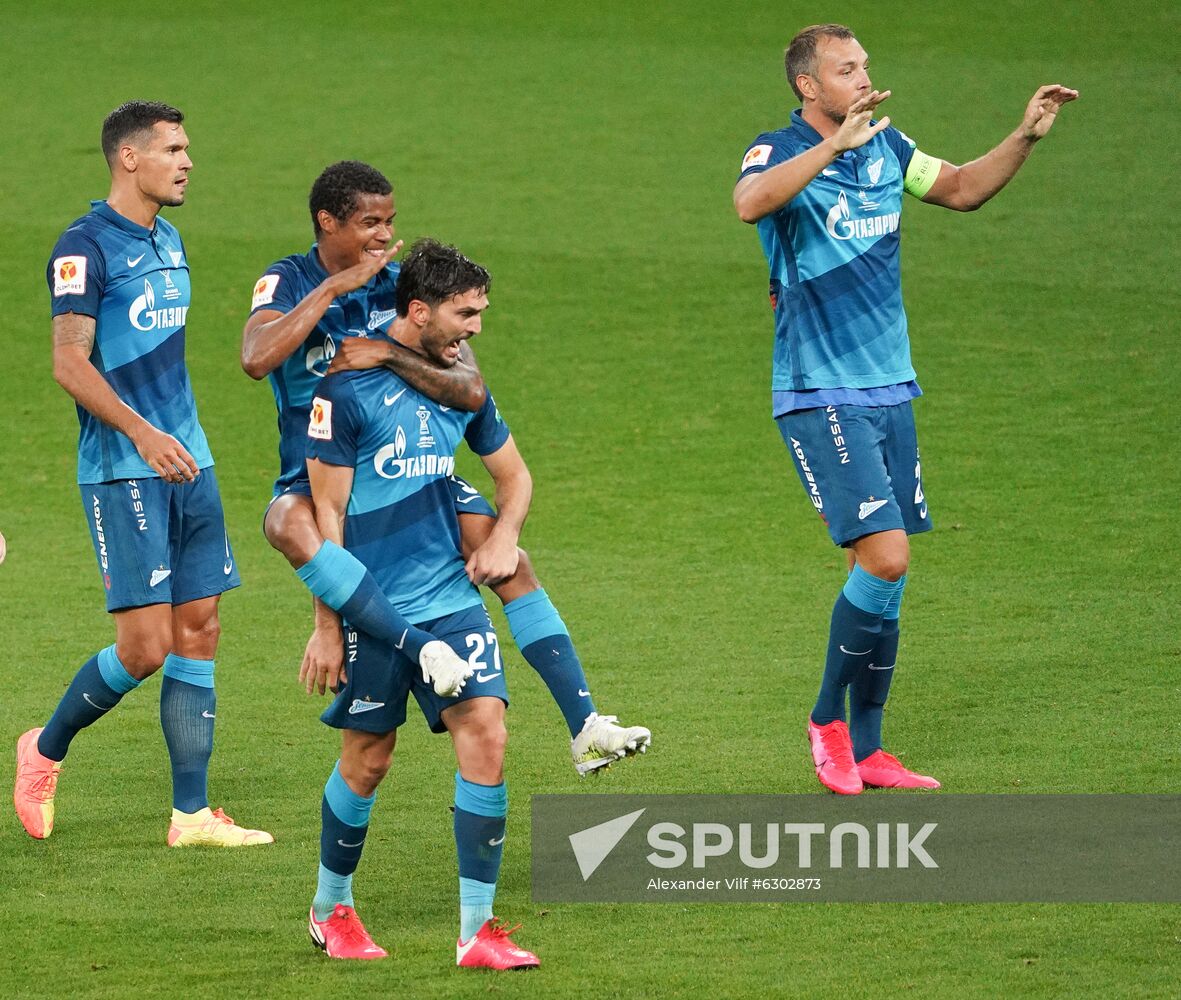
{"x": 100, "y": 207}
{"x": 803, "y": 128}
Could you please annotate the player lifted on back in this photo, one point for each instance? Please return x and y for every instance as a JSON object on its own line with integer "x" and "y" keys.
{"x": 380, "y": 457}
{"x": 826, "y": 192}
{"x": 120, "y": 292}
{"x": 312, "y": 310}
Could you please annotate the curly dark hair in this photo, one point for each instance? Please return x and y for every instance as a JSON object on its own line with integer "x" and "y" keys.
{"x": 335, "y": 190}
{"x": 434, "y": 272}
{"x": 131, "y": 121}
{"x": 800, "y": 56}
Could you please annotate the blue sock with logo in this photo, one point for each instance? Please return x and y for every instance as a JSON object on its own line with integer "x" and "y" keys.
{"x": 94, "y": 691}
{"x": 342, "y": 582}
{"x": 188, "y": 707}
{"x": 852, "y": 638}
{"x": 544, "y": 641}
{"x": 480, "y": 812}
{"x": 344, "y": 819}
{"x": 871, "y": 686}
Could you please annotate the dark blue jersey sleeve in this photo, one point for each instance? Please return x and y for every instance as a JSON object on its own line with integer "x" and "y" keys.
{"x": 335, "y": 423}
{"x": 77, "y": 274}
{"x": 766, "y": 151}
{"x": 487, "y": 431}
{"x": 278, "y": 289}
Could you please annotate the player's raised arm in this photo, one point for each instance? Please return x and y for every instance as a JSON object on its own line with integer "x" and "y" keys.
{"x": 73, "y": 341}
{"x": 496, "y": 559}
{"x": 965, "y": 188}
{"x": 270, "y": 335}
{"x": 460, "y": 386}
{"x": 761, "y": 194}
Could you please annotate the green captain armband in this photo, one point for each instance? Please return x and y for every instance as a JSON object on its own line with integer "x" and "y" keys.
{"x": 921, "y": 174}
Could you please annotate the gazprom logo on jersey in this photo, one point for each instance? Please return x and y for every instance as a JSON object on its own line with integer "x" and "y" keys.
{"x": 145, "y": 316}
{"x": 842, "y": 226}
{"x": 319, "y": 358}
{"x": 390, "y": 461}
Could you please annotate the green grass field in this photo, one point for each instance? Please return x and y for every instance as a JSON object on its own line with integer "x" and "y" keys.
{"x": 587, "y": 155}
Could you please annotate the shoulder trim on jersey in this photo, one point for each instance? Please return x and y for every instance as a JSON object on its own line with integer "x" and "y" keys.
{"x": 921, "y": 174}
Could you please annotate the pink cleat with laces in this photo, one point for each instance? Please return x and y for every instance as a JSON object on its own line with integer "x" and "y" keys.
{"x": 491, "y": 948}
{"x": 36, "y": 785}
{"x": 343, "y": 935}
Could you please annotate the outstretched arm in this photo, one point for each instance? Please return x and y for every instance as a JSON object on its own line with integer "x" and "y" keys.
{"x": 461, "y": 386}
{"x": 270, "y": 336}
{"x": 967, "y": 187}
{"x": 496, "y": 559}
{"x": 763, "y": 193}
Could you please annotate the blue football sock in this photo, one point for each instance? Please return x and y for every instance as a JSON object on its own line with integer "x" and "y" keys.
{"x": 188, "y": 706}
{"x": 852, "y": 638}
{"x": 344, "y": 823}
{"x": 544, "y": 641}
{"x": 480, "y": 812}
{"x": 871, "y": 686}
{"x": 342, "y": 582}
{"x": 94, "y": 691}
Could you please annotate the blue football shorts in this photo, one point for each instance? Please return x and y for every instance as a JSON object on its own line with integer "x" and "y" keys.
{"x": 158, "y": 542}
{"x": 860, "y": 468}
{"x": 373, "y": 699}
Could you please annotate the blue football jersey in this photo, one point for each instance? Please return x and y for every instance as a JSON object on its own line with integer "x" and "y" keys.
{"x": 364, "y": 312}
{"x": 135, "y": 283}
{"x": 401, "y": 516}
{"x": 833, "y": 254}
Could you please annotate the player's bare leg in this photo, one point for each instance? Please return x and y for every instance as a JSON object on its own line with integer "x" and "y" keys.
{"x": 597, "y": 741}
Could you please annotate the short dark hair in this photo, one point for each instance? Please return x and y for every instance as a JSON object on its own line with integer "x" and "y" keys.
{"x": 335, "y": 190}
{"x": 131, "y": 120}
{"x": 800, "y": 56}
{"x": 434, "y": 272}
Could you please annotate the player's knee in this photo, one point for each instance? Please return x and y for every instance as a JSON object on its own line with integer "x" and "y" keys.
{"x": 375, "y": 764}
{"x": 197, "y": 640}
{"x": 492, "y": 739}
{"x": 892, "y": 567}
{"x": 292, "y": 530}
{"x": 144, "y": 655}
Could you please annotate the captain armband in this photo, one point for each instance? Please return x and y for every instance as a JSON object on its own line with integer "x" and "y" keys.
{"x": 921, "y": 174}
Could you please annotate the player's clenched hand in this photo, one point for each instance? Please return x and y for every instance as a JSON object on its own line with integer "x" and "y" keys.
{"x": 322, "y": 667}
{"x": 856, "y": 129}
{"x": 1043, "y": 109}
{"x": 166, "y": 455}
{"x": 360, "y": 352}
{"x": 493, "y": 562}
{"x": 360, "y": 274}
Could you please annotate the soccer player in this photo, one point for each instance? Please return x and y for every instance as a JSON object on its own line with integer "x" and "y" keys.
{"x": 119, "y": 281}
{"x": 826, "y": 193}
{"x": 314, "y": 310}
{"x": 380, "y": 456}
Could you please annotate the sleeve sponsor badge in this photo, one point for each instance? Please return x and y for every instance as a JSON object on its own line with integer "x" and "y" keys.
{"x": 69, "y": 276}
{"x": 320, "y": 422}
{"x": 756, "y": 156}
{"x": 264, "y": 291}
